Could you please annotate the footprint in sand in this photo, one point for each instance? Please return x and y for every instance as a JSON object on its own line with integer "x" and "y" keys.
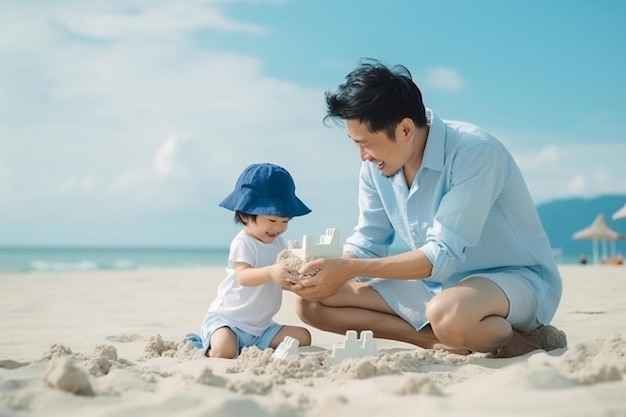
{"x": 10, "y": 364}
{"x": 126, "y": 338}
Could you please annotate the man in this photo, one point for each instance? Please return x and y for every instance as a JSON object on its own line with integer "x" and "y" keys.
{"x": 480, "y": 274}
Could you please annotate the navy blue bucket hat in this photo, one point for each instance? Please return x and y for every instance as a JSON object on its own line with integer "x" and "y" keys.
{"x": 265, "y": 189}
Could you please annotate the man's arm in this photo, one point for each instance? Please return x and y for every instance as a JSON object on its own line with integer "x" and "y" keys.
{"x": 374, "y": 232}
{"x": 329, "y": 274}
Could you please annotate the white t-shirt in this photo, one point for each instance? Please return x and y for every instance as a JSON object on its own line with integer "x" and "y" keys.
{"x": 249, "y": 308}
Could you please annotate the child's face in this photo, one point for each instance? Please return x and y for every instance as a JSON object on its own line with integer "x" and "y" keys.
{"x": 267, "y": 228}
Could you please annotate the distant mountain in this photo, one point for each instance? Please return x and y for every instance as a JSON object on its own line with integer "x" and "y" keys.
{"x": 562, "y": 218}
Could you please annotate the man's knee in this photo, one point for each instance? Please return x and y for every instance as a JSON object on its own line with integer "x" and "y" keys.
{"x": 445, "y": 320}
{"x": 305, "y": 309}
{"x": 314, "y": 314}
{"x": 441, "y": 309}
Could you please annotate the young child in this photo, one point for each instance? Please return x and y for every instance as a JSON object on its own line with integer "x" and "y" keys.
{"x": 264, "y": 201}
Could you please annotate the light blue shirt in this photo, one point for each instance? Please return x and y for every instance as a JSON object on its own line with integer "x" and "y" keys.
{"x": 468, "y": 210}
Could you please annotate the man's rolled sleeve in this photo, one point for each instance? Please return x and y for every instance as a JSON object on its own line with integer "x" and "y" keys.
{"x": 444, "y": 257}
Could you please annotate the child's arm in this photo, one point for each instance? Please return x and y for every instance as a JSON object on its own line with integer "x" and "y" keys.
{"x": 251, "y": 277}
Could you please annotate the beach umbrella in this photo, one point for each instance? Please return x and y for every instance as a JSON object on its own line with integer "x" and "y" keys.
{"x": 599, "y": 230}
{"x": 620, "y": 214}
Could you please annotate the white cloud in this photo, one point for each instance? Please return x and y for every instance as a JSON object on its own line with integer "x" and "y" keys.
{"x": 167, "y": 160}
{"x": 156, "y": 19}
{"x": 145, "y": 126}
{"x": 130, "y": 181}
{"x": 77, "y": 185}
{"x": 4, "y": 178}
{"x": 539, "y": 159}
{"x": 577, "y": 185}
{"x": 569, "y": 170}
{"x": 443, "y": 78}
{"x": 102, "y": 20}
{"x": 147, "y": 122}
{"x": 107, "y": 107}
{"x": 557, "y": 165}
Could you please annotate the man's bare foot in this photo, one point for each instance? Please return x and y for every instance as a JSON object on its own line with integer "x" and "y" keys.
{"x": 545, "y": 337}
{"x": 457, "y": 351}
{"x": 519, "y": 344}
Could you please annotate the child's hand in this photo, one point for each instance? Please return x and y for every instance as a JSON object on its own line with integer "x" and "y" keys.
{"x": 283, "y": 275}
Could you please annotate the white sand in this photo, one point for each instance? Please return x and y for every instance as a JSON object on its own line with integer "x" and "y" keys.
{"x": 101, "y": 344}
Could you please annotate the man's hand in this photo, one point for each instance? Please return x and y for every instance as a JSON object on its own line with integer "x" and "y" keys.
{"x": 321, "y": 278}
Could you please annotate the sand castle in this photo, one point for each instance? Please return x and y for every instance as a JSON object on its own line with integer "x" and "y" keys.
{"x": 288, "y": 347}
{"x": 328, "y": 247}
{"x": 295, "y": 256}
{"x": 350, "y": 347}
{"x": 298, "y": 254}
{"x": 353, "y": 347}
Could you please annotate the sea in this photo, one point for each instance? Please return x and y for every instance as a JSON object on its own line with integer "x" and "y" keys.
{"x": 56, "y": 259}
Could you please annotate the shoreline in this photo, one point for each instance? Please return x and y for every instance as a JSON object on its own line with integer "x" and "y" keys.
{"x": 83, "y": 260}
{"x": 211, "y": 266}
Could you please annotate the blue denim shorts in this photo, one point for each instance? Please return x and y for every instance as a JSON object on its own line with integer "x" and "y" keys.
{"x": 244, "y": 339}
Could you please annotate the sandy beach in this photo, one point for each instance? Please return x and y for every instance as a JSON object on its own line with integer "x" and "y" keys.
{"x": 111, "y": 343}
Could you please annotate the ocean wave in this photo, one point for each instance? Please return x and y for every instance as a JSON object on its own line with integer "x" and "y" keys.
{"x": 44, "y": 266}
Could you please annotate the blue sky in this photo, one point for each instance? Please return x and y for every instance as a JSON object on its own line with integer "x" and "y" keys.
{"x": 126, "y": 122}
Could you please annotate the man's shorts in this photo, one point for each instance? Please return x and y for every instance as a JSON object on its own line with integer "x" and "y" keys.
{"x": 522, "y": 299}
{"x": 408, "y": 298}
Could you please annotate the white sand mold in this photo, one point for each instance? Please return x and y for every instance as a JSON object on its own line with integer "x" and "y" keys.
{"x": 298, "y": 254}
{"x": 353, "y": 347}
{"x": 288, "y": 347}
{"x": 329, "y": 246}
